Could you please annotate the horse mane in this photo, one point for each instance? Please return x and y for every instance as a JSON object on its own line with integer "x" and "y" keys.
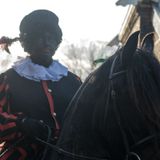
{"x": 143, "y": 76}
{"x": 92, "y": 111}
{"x": 144, "y": 82}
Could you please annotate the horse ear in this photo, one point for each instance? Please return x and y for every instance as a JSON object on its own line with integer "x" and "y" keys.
{"x": 130, "y": 47}
{"x": 147, "y": 43}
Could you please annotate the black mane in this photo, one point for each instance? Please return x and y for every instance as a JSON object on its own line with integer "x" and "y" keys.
{"x": 109, "y": 115}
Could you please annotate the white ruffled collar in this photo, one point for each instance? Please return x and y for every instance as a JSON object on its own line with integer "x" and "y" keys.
{"x": 26, "y": 68}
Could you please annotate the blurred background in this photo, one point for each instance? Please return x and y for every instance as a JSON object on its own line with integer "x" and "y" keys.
{"x": 92, "y": 29}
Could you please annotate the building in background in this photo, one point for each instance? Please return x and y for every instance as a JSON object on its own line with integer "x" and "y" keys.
{"x": 144, "y": 16}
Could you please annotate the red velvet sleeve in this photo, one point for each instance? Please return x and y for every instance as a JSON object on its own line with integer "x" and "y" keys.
{"x": 8, "y": 128}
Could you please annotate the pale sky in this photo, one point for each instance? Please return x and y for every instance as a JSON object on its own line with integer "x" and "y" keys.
{"x": 79, "y": 19}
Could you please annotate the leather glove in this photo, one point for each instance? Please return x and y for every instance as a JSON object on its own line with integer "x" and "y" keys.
{"x": 33, "y": 127}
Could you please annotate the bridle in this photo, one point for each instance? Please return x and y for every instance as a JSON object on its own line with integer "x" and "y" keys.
{"x": 129, "y": 153}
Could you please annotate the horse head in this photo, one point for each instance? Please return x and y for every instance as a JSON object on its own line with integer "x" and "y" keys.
{"x": 116, "y": 112}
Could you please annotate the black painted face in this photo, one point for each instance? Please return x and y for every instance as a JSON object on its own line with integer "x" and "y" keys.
{"x": 40, "y": 46}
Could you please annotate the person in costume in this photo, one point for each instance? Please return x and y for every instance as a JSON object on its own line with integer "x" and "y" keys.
{"x": 36, "y": 91}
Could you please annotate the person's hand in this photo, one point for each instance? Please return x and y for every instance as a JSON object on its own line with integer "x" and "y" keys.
{"x": 33, "y": 128}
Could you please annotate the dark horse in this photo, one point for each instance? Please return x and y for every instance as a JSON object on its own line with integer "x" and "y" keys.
{"x": 115, "y": 115}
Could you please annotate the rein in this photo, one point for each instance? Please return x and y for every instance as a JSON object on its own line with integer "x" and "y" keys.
{"x": 68, "y": 154}
{"x": 113, "y": 75}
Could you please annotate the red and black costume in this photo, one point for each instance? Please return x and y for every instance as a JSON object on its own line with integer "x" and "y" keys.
{"x": 22, "y": 97}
